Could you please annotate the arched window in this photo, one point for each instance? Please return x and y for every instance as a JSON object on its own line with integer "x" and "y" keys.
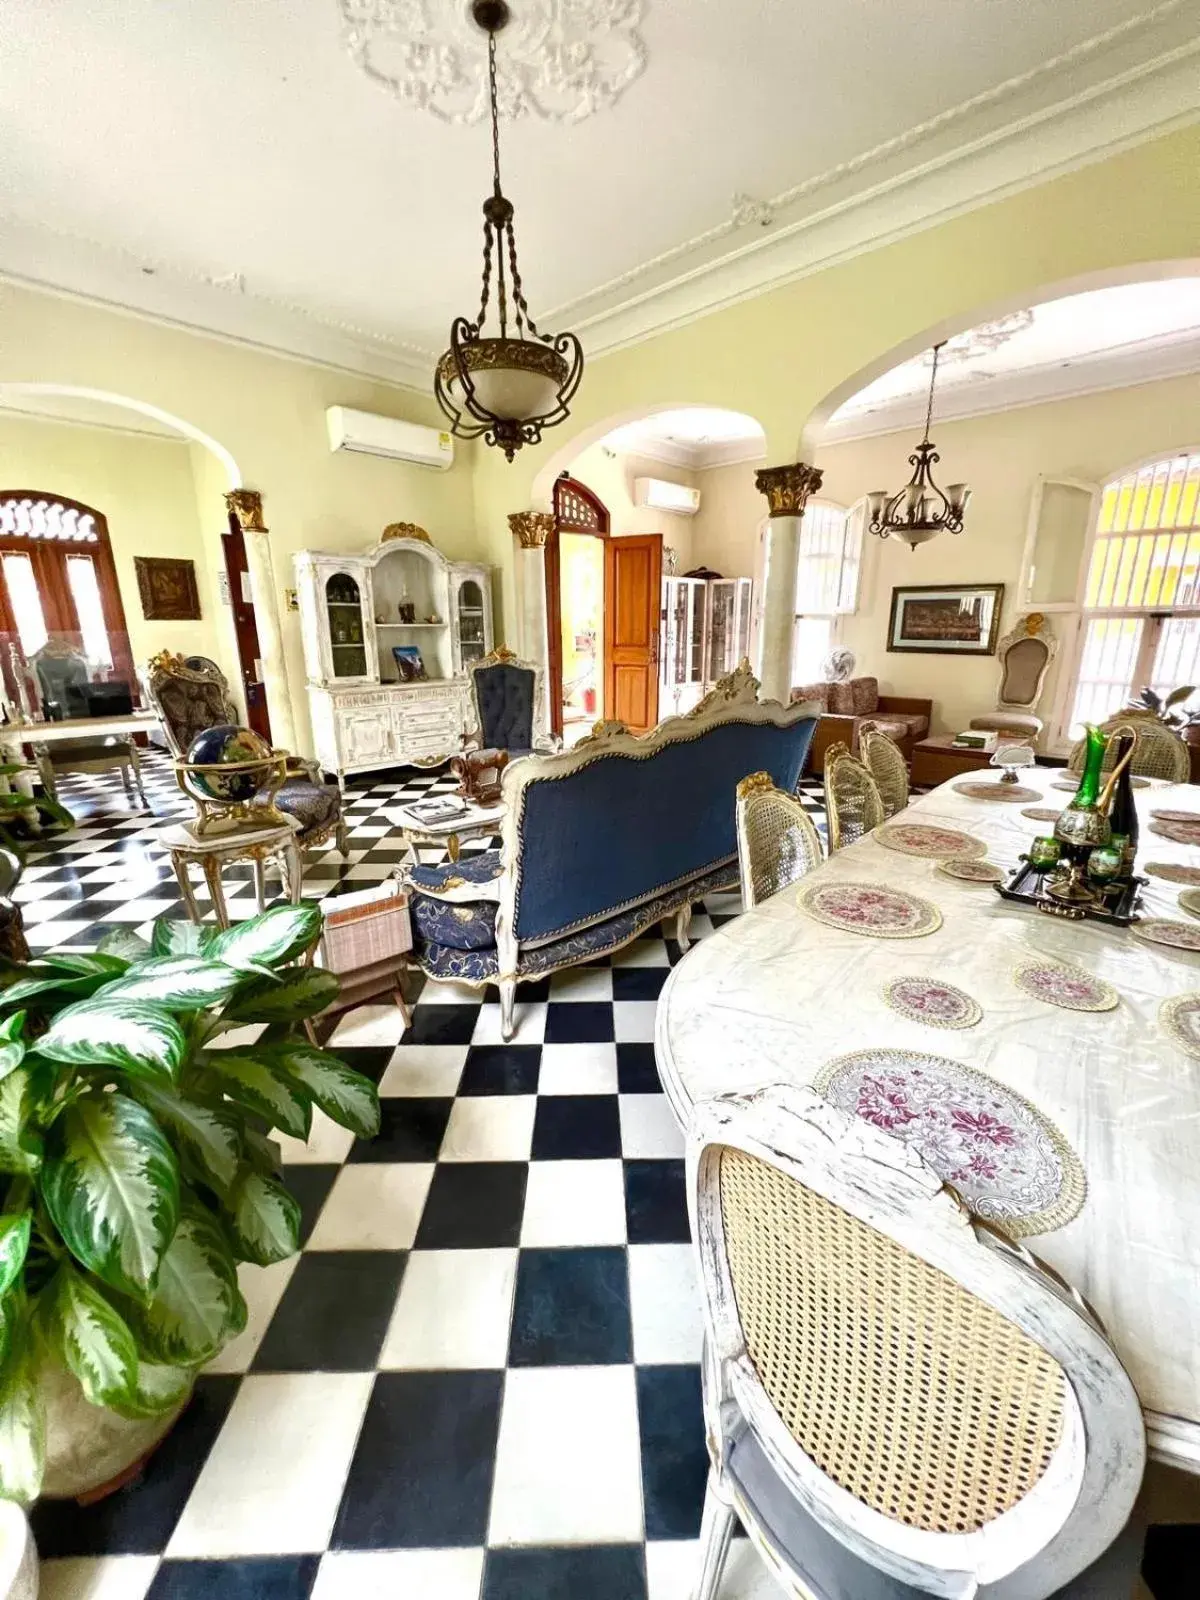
{"x": 577, "y": 509}
{"x": 1141, "y": 592}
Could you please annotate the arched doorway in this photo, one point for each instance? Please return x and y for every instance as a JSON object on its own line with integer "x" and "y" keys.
{"x": 575, "y": 608}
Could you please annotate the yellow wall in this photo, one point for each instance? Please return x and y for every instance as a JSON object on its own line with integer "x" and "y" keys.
{"x": 144, "y": 487}
{"x": 731, "y": 517}
{"x": 611, "y": 476}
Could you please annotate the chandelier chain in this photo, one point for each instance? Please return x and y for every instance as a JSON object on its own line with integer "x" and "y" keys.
{"x": 495, "y": 114}
{"x": 487, "y": 272}
{"x": 937, "y": 350}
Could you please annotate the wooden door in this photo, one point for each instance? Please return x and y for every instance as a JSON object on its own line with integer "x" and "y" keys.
{"x": 237, "y": 570}
{"x": 632, "y": 600}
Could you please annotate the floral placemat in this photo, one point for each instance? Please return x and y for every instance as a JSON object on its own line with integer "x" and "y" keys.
{"x": 870, "y": 908}
{"x": 1043, "y": 813}
{"x": 1180, "y": 1017}
{"x": 1010, "y": 792}
{"x": 1190, "y": 819}
{"x": 1172, "y": 872}
{"x": 936, "y": 1004}
{"x": 1068, "y": 788}
{"x": 1189, "y": 901}
{"x": 1009, "y": 1163}
{"x": 1177, "y": 832}
{"x": 1060, "y": 984}
{"x": 1164, "y": 931}
{"x": 923, "y": 839}
{"x": 971, "y": 870}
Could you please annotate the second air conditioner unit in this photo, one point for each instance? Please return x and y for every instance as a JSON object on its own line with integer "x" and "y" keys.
{"x": 660, "y": 494}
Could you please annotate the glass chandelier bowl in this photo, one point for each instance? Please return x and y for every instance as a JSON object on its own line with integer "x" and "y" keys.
{"x": 511, "y": 386}
{"x": 921, "y": 510}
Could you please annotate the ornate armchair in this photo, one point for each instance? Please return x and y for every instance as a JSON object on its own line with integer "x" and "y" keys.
{"x": 61, "y": 675}
{"x": 1025, "y": 655}
{"x": 777, "y": 842}
{"x": 190, "y": 696}
{"x": 508, "y": 697}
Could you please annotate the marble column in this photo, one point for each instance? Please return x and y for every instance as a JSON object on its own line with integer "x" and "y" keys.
{"x": 787, "y": 490}
{"x": 246, "y": 506}
{"x": 532, "y": 529}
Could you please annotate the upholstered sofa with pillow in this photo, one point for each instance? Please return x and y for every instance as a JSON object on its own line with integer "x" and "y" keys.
{"x": 846, "y": 706}
{"x": 603, "y": 841}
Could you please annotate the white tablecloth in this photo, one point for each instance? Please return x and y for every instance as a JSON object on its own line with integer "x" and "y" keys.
{"x": 774, "y": 995}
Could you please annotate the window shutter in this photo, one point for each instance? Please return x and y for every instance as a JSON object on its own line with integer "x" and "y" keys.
{"x": 1061, "y": 518}
{"x": 852, "y": 542}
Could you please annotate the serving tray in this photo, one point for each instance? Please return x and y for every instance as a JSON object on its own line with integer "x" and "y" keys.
{"x": 1028, "y": 888}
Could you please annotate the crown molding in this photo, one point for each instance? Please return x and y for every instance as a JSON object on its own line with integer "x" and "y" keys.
{"x": 1151, "y": 361}
{"x": 10, "y": 412}
{"x": 699, "y": 457}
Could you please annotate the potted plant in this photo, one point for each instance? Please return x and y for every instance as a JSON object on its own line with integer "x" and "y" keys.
{"x": 19, "y": 809}
{"x": 1169, "y": 709}
{"x": 138, "y": 1173}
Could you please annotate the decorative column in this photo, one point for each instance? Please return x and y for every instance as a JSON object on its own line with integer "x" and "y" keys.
{"x": 787, "y": 490}
{"x": 532, "y": 529}
{"x": 246, "y": 506}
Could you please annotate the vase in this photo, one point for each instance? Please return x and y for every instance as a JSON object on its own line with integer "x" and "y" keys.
{"x": 89, "y": 1447}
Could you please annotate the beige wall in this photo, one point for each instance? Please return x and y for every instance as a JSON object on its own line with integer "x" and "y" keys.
{"x": 731, "y": 518}
{"x": 145, "y": 488}
{"x": 611, "y": 475}
{"x": 1000, "y": 456}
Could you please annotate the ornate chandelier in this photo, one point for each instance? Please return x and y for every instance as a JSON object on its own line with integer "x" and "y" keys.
{"x": 921, "y": 510}
{"x": 506, "y": 388}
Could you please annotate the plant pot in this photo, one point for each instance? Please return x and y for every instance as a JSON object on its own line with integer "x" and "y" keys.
{"x": 18, "y": 1555}
{"x": 87, "y": 1447}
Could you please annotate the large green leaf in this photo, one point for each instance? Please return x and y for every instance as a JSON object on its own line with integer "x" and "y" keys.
{"x": 159, "y": 1389}
{"x": 39, "y": 979}
{"x": 266, "y": 940}
{"x": 92, "y": 1338}
{"x": 255, "y": 1085}
{"x": 22, "y": 1431}
{"x": 130, "y": 1035}
{"x": 196, "y": 1304}
{"x": 263, "y": 1154}
{"x": 12, "y": 1053}
{"x": 210, "y": 1138}
{"x": 20, "y": 1145}
{"x": 14, "y": 1245}
{"x": 111, "y": 1185}
{"x": 92, "y": 965}
{"x": 12, "y": 1027}
{"x": 177, "y": 983}
{"x": 298, "y": 992}
{"x": 265, "y": 1219}
{"x": 124, "y": 945}
{"x": 171, "y": 938}
{"x": 341, "y": 1093}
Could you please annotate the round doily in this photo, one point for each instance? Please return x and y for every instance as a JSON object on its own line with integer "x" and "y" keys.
{"x": 1190, "y": 819}
{"x": 1060, "y": 984}
{"x": 870, "y": 908}
{"x": 1177, "y": 832}
{"x": 1162, "y": 930}
{"x": 1189, "y": 901}
{"x": 1067, "y": 788}
{"x": 921, "y": 839}
{"x": 1180, "y": 1017}
{"x": 1042, "y": 813}
{"x": 1010, "y": 792}
{"x": 936, "y": 1004}
{"x": 969, "y": 869}
{"x": 1009, "y": 1163}
{"x": 1172, "y": 872}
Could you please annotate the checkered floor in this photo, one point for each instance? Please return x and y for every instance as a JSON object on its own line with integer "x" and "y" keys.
{"x": 480, "y": 1379}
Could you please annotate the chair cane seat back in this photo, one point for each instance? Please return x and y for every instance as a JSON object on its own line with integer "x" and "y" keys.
{"x": 886, "y": 764}
{"x": 853, "y": 805}
{"x": 776, "y": 838}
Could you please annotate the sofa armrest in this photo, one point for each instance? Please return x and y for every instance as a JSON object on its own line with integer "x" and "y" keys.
{"x": 906, "y": 703}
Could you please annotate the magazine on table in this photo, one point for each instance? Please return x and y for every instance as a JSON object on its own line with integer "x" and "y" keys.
{"x": 438, "y": 808}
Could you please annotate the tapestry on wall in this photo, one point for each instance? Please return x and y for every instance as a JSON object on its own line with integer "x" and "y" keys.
{"x": 946, "y": 618}
{"x": 167, "y": 586}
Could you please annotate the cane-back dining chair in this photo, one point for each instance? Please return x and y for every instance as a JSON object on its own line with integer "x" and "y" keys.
{"x": 886, "y": 764}
{"x": 853, "y": 805}
{"x": 1158, "y": 751}
{"x": 777, "y": 841}
{"x": 899, "y": 1402}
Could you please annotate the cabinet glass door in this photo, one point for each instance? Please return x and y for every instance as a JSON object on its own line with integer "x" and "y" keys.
{"x": 347, "y": 634}
{"x": 722, "y": 631}
{"x": 471, "y": 636}
{"x": 745, "y": 613}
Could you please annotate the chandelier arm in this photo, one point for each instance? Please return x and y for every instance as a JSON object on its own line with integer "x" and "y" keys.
{"x": 501, "y": 291}
{"x": 518, "y": 292}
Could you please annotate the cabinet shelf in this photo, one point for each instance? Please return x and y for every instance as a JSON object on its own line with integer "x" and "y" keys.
{"x": 412, "y": 624}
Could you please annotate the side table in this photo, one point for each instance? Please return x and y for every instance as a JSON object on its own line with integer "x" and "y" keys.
{"x": 472, "y": 822}
{"x": 936, "y": 759}
{"x": 211, "y": 852}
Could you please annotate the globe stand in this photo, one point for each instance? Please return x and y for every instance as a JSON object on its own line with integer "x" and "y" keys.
{"x": 202, "y": 782}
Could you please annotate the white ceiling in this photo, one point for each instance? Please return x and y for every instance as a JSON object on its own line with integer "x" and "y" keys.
{"x": 1106, "y": 338}
{"x": 226, "y": 163}
{"x": 692, "y": 436}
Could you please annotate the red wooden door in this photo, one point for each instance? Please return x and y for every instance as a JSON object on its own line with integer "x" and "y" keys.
{"x": 237, "y": 570}
{"x": 632, "y": 600}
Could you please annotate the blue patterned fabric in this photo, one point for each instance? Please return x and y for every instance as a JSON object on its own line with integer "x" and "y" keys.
{"x": 619, "y": 830}
{"x": 457, "y": 966}
{"x": 469, "y": 925}
{"x": 482, "y": 868}
{"x": 504, "y": 694}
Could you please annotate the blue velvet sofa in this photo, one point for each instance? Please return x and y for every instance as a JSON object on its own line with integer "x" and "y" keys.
{"x": 603, "y": 841}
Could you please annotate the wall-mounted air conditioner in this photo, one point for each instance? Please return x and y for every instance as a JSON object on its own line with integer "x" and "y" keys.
{"x": 372, "y": 435}
{"x": 662, "y": 495}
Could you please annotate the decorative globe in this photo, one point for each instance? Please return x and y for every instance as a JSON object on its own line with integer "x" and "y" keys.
{"x": 216, "y": 750}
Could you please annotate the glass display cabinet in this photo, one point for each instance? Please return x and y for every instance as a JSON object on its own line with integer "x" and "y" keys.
{"x": 388, "y": 639}
{"x": 705, "y": 630}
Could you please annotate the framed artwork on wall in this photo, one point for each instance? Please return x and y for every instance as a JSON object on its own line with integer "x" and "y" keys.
{"x": 946, "y": 619}
{"x": 167, "y": 586}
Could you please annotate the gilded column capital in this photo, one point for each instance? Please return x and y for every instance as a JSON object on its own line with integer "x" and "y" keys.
{"x": 532, "y": 528}
{"x": 787, "y": 488}
{"x": 246, "y": 506}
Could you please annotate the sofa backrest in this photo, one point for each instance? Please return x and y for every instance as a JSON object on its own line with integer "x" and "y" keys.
{"x": 619, "y": 820}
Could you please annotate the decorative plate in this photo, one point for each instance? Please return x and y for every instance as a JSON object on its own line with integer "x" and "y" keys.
{"x": 1188, "y": 818}
{"x": 870, "y": 908}
{"x": 971, "y": 870}
{"x": 1042, "y": 813}
{"x": 1011, "y": 792}
{"x": 936, "y": 1004}
{"x": 920, "y": 839}
{"x": 1162, "y": 930}
{"x": 1009, "y": 1163}
{"x": 1189, "y": 901}
{"x": 1177, "y": 832}
{"x": 1172, "y": 873}
{"x": 1180, "y": 1017}
{"x": 1059, "y": 983}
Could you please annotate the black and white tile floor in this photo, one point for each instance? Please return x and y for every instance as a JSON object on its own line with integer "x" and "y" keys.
{"x": 480, "y": 1378}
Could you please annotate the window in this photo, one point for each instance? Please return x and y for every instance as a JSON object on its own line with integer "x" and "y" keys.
{"x": 26, "y": 602}
{"x": 85, "y": 591}
{"x": 1141, "y": 596}
{"x": 827, "y": 572}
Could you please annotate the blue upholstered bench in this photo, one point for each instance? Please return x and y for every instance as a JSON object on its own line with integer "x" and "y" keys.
{"x": 603, "y": 841}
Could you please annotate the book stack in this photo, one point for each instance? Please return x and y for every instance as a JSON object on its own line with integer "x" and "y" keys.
{"x": 976, "y": 739}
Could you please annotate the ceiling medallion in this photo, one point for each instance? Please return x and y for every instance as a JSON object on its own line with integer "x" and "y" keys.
{"x": 981, "y": 341}
{"x": 921, "y": 510}
{"x": 563, "y": 60}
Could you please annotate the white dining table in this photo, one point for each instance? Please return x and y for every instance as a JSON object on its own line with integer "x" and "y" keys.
{"x": 774, "y": 995}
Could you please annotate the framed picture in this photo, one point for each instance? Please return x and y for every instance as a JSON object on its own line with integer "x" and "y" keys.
{"x": 167, "y": 586}
{"x": 409, "y": 666}
{"x": 950, "y": 619}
